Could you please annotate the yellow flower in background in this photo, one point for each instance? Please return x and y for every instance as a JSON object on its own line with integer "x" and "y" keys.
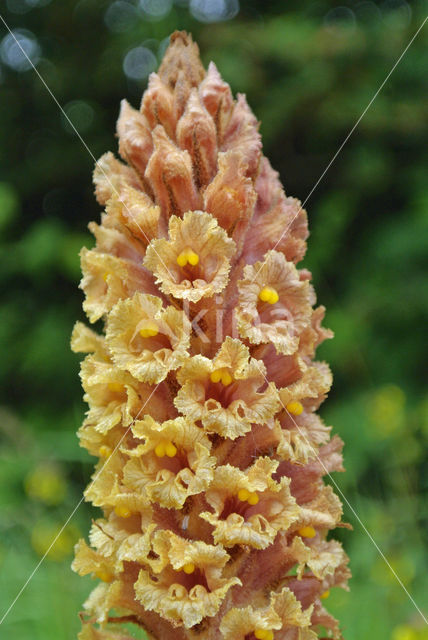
{"x": 403, "y": 566}
{"x": 43, "y": 535}
{"x": 404, "y": 632}
{"x": 47, "y": 484}
{"x": 386, "y": 410}
{"x": 203, "y": 390}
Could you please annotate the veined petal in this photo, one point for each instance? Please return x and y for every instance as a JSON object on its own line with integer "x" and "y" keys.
{"x": 137, "y": 212}
{"x": 146, "y": 339}
{"x": 199, "y": 233}
{"x": 173, "y": 463}
{"x": 284, "y": 614}
{"x": 239, "y": 519}
{"x": 231, "y": 409}
{"x": 282, "y": 319}
{"x": 217, "y": 98}
{"x": 188, "y": 585}
{"x": 107, "y": 279}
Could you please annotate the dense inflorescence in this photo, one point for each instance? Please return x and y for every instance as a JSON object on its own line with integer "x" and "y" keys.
{"x": 203, "y": 388}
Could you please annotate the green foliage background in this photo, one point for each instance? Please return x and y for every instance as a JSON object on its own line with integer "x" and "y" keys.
{"x": 309, "y": 69}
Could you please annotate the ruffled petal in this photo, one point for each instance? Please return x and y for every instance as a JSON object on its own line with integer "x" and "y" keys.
{"x": 281, "y": 318}
{"x": 199, "y": 234}
{"x": 187, "y": 583}
{"x": 231, "y": 409}
{"x": 249, "y": 507}
{"x": 146, "y": 339}
{"x": 173, "y": 463}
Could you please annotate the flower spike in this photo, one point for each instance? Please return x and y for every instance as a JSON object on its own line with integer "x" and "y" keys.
{"x": 203, "y": 388}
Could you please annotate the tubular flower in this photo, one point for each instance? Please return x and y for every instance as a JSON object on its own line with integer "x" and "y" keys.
{"x": 195, "y": 261}
{"x": 173, "y": 463}
{"x": 145, "y": 339}
{"x": 203, "y": 389}
{"x": 223, "y": 392}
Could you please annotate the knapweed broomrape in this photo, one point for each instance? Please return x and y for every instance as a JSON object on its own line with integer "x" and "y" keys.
{"x": 203, "y": 388}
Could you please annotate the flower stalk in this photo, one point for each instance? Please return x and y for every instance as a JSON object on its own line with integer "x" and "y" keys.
{"x": 203, "y": 388}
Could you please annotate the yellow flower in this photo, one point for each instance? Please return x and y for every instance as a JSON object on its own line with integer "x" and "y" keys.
{"x": 145, "y": 339}
{"x": 227, "y": 409}
{"x": 275, "y": 305}
{"x": 46, "y": 483}
{"x": 110, "y": 176}
{"x": 249, "y": 507}
{"x": 186, "y": 583}
{"x": 173, "y": 463}
{"x": 404, "y": 632}
{"x": 107, "y": 279}
{"x": 198, "y": 233}
{"x": 51, "y": 539}
{"x": 284, "y": 612}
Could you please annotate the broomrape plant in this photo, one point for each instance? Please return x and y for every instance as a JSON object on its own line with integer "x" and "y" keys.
{"x": 203, "y": 389}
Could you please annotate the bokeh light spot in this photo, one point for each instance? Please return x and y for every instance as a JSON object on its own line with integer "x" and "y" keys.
{"x": 214, "y": 10}
{"x": 15, "y": 45}
{"x": 80, "y": 113}
{"x": 156, "y": 9}
{"x": 18, "y": 6}
{"x": 340, "y": 17}
{"x": 24, "y": 6}
{"x": 36, "y": 3}
{"x": 139, "y": 63}
{"x": 367, "y": 12}
{"x": 398, "y": 12}
{"x": 120, "y": 16}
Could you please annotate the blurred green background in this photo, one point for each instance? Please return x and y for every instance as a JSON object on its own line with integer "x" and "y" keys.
{"x": 309, "y": 69}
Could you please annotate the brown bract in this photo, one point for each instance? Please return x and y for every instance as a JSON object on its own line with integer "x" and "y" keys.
{"x": 203, "y": 388}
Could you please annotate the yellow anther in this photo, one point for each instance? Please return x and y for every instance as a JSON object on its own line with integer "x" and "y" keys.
{"x": 170, "y": 449}
{"x": 269, "y": 294}
{"x": 105, "y": 451}
{"x": 263, "y": 634}
{"x": 116, "y": 387}
{"x": 226, "y": 378}
{"x": 307, "y": 532}
{"x": 325, "y": 595}
{"x": 103, "y": 575}
{"x": 188, "y": 256}
{"x": 222, "y": 375}
{"x": 273, "y": 300}
{"x": 189, "y": 568}
{"x": 253, "y": 498}
{"x": 216, "y": 375}
{"x": 149, "y": 329}
{"x": 192, "y": 258}
{"x": 182, "y": 259}
{"x": 160, "y": 450}
{"x": 294, "y": 407}
{"x": 243, "y": 495}
{"x": 165, "y": 448}
{"x": 122, "y": 511}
